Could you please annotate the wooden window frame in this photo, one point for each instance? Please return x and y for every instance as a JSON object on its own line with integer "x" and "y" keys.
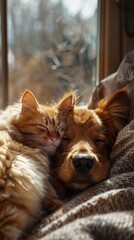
{"x": 114, "y": 42}
{"x": 4, "y": 45}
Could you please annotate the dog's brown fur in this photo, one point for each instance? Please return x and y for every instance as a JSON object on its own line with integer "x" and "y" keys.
{"x": 83, "y": 156}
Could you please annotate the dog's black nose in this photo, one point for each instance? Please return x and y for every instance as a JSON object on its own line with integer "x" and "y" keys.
{"x": 83, "y": 162}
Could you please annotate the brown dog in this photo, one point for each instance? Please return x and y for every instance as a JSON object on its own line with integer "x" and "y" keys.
{"x": 83, "y": 156}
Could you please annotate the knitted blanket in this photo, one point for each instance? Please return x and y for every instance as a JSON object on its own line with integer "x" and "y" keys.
{"x": 105, "y": 211}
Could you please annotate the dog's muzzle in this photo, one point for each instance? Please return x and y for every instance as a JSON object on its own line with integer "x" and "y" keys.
{"x": 82, "y": 162}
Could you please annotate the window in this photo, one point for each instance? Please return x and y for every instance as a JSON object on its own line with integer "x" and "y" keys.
{"x": 52, "y": 47}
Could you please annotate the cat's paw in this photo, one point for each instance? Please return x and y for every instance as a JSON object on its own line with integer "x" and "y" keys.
{"x": 6, "y": 158}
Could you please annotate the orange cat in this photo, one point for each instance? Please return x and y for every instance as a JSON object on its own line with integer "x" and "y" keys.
{"x": 28, "y": 131}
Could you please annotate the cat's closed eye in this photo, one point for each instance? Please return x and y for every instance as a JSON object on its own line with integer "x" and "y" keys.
{"x": 61, "y": 130}
{"x": 42, "y": 127}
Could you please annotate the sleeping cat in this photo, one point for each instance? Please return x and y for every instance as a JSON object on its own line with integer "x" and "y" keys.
{"x": 29, "y": 132}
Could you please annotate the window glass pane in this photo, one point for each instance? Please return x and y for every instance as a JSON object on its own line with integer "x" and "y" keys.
{"x": 52, "y": 47}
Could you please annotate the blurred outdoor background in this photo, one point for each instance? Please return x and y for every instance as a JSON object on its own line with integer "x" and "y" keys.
{"x": 52, "y": 48}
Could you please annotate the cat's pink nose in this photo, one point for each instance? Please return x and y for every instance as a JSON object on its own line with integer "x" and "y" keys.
{"x": 54, "y": 137}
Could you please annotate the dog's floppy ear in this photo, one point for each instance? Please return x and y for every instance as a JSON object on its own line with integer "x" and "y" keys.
{"x": 115, "y": 110}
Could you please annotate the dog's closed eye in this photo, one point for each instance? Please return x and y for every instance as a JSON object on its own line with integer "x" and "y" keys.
{"x": 67, "y": 139}
{"x": 99, "y": 140}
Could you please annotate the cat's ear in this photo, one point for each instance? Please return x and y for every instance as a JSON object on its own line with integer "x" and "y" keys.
{"x": 29, "y": 102}
{"x": 67, "y": 102}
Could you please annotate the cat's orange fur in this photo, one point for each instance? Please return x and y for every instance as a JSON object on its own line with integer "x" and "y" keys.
{"x": 24, "y": 169}
{"x": 82, "y": 159}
